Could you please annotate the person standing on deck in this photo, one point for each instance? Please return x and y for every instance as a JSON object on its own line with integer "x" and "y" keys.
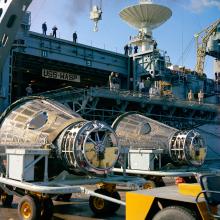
{"x": 111, "y": 81}
{"x": 200, "y": 96}
{"x": 190, "y": 95}
{"x": 29, "y": 90}
{"x": 117, "y": 82}
{"x": 54, "y": 29}
{"x": 141, "y": 86}
{"x": 126, "y": 48}
{"x": 44, "y": 28}
{"x": 135, "y": 49}
{"x": 74, "y": 37}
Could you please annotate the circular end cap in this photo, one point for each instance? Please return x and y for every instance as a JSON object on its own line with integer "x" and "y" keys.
{"x": 195, "y": 149}
{"x": 99, "y": 147}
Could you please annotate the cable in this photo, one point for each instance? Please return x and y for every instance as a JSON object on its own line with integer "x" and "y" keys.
{"x": 186, "y": 51}
{"x": 91, "y": 4}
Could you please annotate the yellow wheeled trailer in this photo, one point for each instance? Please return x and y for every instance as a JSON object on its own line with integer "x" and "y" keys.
{"x": 182, "y": 202}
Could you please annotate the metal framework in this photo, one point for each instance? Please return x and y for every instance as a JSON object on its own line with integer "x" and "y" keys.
{"x": 201, "y": 42}
{"x": 103, "y": 104}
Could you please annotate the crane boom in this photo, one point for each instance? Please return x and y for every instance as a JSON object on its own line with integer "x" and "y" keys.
{"x": 11, "y": 14}
{"x": 202, "y": 39}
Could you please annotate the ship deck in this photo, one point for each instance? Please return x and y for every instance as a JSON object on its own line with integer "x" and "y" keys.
{"x": 102, "y": 104}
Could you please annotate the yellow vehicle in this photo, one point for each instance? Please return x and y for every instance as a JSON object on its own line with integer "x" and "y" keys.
{"x": 182, "y": 202}
{"x": 165, "y": 88}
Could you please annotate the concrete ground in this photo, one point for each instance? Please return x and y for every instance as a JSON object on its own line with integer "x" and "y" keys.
{"x": 77, "y": 209}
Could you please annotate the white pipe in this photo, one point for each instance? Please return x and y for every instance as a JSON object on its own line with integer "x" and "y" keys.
{"x": 92, "y": 193}
{"x": 39, "y": 188}
{"x": 155, "y": 173}
{"x": 56, "y": 189}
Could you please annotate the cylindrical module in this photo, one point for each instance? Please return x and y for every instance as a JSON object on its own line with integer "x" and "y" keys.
{"x": 140, "y": 132}
{"x": 81, "y": 146}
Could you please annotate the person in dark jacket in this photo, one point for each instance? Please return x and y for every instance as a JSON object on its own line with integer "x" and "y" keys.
{"x": 74, "y": 37}
{"x": 44, "y": 28}
{"x": 54, "y": 29}
{"x": 135, "y": 49}
{"x": 126, "y": 48}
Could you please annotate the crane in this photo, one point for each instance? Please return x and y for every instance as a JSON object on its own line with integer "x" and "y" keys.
{"x": 202, "y": 39}
{"x": 96, "y": 14}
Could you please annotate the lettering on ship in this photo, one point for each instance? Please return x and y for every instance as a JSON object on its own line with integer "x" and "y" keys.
{"x": 53, "y": 74}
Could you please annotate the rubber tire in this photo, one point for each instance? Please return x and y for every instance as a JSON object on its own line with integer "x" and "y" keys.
{"x": 6, "y": 199}
{"x": 115, "y": 206}
{"x": 107, "y": 208}
{"x": 174, "y": 212}
{"x": 47, "y": 209}
{"x": 35, "y": 206}
{"x": 63, "y": 197}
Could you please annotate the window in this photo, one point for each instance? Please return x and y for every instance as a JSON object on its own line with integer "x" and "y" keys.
{"x": 19, "y": 41}
{"x": 4, "y": 40}
{"x": 11, "y": 21}
{"x": 88, "y": 63}
{"x": 145, "y": 129}
{"x": 38, "y": 121}
{"x": 1, "y": 11}
{"x": 44, "y": 53}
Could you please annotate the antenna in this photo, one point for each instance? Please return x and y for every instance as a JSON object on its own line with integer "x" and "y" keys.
{"x": 145, "y": 17}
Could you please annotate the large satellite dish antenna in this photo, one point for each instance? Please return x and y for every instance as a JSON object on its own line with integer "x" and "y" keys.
{"x": 145, "y": 17}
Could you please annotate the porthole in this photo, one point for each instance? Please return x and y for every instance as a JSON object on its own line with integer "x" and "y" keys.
{"x": 145, "y": 129}
{"x": 1, "y": 11}
{"x": 11, "y": 21}
{"x": 5, "y": 1}
{"x": 38, "y": 121}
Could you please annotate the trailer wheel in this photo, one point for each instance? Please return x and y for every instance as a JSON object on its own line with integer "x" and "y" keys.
{"x": 172, "y": 212}
{"x": 115, "y": 206}
{"x": 6, "y": 199}
{"x": 28, "y": 208}
{"x": 63, "y": 197}
{"x": 47, "y": 208}
{"x": 149, "y": 184}
{"x": 103, "y": 207}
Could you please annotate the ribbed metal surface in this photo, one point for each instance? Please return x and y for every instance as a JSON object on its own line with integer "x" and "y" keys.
{"x": 142, "y": 133}
{"x": 146, "y": 15}
{"x": 80, "y": 146}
